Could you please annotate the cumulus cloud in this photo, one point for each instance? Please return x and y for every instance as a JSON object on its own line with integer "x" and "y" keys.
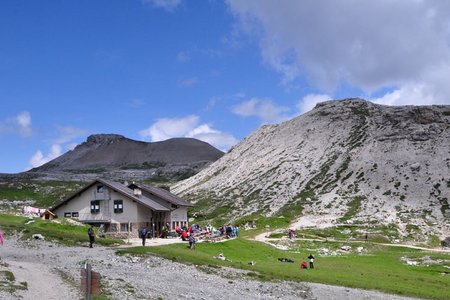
{"x": 20, "y": 124}
{"x": 64, "y": 140}
{"x": 373, "y": 45}
{"x": 220, "y": 140}
{"x": 309, "y": 101}
{"x": 264, "y": 109}
{"x": 188, "y": 126}
{"x": 39, "y": 158}
{"x": 168, "y": 5}
{"x": 23, "y": 120}
{"x": 167, "y": 128}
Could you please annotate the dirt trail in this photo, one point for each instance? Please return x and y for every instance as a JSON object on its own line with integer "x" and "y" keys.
{"x": 42, "y": 282}
{"x": 40, "y": 264}
{"x": 263, "y": 238}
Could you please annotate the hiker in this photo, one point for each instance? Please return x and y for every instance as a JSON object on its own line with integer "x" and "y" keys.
{"x": 143, "y": 235}
{"x": 304, "y": 265}
{"x": 311, "y": 261}
{"x": 191, "y": 242}
{"x": 184, "y": 235}
{"x": 91, "y": 235}
{"x": 290, "y": 233}
{"x": 234, "y": 231}
{"x": 366, "y": 237}
{"x": 152, "y": 231}
{"x": 284, "y": 259}
{"x": 2, "y": 239}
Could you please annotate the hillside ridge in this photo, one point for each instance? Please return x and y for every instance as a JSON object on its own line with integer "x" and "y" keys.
{"x": 344, "y": 161}
{"x": 116, "y": 157}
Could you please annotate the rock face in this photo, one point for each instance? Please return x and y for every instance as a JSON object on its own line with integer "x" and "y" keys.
{"x": 344, "y": 160}
{"x": 117, "y": 157}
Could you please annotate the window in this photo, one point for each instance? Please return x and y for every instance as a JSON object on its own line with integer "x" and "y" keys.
{"x": 118, "y": 206}
{"x": 95, "y": 207}
{"x": 99, "y": 188}
{"x": 124, "y": 227}
{"x": 71, "y": 214}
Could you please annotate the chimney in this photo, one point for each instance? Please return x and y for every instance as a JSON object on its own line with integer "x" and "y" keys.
{"x": 137, "y": 192}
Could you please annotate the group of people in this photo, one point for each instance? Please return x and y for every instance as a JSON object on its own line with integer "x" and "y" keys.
{"x": 229, "y": 231}
{"x": 304, "y": 265}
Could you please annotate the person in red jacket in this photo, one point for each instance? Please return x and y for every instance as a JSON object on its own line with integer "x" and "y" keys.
{"x": 184, "y": 235}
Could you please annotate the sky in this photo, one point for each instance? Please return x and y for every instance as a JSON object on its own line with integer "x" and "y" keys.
{"x": 151, "y": 70}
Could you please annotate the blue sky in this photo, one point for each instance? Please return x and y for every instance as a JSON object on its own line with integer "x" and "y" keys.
{"x": 214, "y": 70}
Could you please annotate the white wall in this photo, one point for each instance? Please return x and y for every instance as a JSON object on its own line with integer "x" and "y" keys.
{"x": 82, "y": 205}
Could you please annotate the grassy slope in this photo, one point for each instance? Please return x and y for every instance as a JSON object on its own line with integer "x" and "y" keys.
{"x": 44, "y": 193}
{"x": 381, "y": 270}
{"x": 64, "y": 233}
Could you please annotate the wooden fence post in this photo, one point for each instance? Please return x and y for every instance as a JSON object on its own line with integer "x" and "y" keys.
{"x": 88, "y": 281}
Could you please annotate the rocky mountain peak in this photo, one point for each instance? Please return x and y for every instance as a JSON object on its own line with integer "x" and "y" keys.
{"x": 104, "y": 138}
{"x": 119, "y": 158}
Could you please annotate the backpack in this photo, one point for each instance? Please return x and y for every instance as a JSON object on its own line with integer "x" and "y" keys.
{"x": 143, "y": 232}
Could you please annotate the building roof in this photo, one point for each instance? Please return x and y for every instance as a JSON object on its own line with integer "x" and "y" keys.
{"x": 121, "y": 189}
{"x": 164, "y": 194}
{"x": 47, "y": 212}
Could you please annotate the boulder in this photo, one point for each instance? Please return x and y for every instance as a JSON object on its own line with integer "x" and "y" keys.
{"x": 346, "y": 248}
{"x": 38, "y": 236}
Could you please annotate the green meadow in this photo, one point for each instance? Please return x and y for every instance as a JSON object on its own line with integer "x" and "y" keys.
{"x": 62, "y": 232}
{"x": 378, "y": 268}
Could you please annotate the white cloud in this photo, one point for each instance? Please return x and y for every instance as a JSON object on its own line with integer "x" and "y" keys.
{"x": 168, "y": 5}
{"x": 372, "y": 45}
{"x": 167, "y": 128}
{"x": 20, "y": 124}
{"x": 24, "y": 122}
{"x": 220, "y": 140}
{"x": 309, "y": 102}
{"x": 65, "y": 138}
{"x": 264, "y": 109}
{"x": 188, "y": 126}
{"x": 39, "y": 159}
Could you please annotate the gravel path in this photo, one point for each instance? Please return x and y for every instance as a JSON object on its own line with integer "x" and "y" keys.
{"x": 53, "y": 272}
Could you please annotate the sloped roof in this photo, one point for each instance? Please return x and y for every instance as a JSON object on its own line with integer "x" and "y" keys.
{"x": 121, "y": 189}
{"x": 164, "y": 194}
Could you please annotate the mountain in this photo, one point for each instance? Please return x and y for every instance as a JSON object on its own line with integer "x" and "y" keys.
{"x": 117, "y": 157}
{"x": 346, "y": 161}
